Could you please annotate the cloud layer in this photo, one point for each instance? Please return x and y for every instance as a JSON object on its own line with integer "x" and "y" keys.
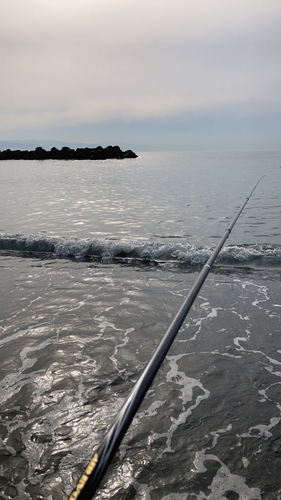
{"x": 78, "y": 63}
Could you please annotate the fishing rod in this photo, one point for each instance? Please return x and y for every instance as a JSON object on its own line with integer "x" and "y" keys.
{"x": 94, "y": 472}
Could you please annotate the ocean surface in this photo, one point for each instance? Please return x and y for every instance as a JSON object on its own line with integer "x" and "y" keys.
{"x": 96, "y": 258}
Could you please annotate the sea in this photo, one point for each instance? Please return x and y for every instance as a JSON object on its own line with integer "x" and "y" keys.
{"x": 96, "y": 258}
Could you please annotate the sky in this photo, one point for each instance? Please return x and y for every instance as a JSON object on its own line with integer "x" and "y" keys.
{"x": 143, "y": 74}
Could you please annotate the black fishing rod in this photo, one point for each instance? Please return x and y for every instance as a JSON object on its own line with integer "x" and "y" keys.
{"x": 90, "y": 480}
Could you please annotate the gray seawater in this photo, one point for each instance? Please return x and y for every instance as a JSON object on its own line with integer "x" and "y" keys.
{"x": 95, "y": 260}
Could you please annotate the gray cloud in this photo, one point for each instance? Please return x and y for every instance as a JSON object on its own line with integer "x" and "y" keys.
{"x": 68, "y": 64}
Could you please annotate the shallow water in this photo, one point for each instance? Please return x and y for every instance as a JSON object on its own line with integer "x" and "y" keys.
{"x": 178, "y": 195}
{"x": 76, "y": 333}
{"x": 74, "y": 338}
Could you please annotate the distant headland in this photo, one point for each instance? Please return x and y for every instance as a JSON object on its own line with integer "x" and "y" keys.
{"x": 66, "y": 153}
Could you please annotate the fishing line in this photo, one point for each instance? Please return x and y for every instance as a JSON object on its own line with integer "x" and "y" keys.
{"x": 192, "y": 329}
{"x": 94, "y": 472}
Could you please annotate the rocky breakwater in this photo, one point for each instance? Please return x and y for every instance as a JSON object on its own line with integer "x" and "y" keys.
{"x": 66, "y": 153}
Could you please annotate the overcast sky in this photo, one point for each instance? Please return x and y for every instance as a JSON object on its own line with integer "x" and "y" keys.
{"x": 144, "y": 74}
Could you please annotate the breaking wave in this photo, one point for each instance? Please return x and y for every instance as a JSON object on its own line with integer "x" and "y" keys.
{"x": 258, "y": 255}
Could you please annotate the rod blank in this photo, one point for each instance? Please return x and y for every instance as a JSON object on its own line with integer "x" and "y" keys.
{"x": 90, "y": 480}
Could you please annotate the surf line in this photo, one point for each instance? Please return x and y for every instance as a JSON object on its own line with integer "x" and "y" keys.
{"x": 94, "y": 472}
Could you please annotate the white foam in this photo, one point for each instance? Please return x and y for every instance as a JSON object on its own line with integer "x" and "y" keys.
{"x": 224, "y": 481}
{"x": 108, "y": 249}
{"x": 263, "y": 430}
{"x": 118, "y": 346}
{"x": 188, "y": 384}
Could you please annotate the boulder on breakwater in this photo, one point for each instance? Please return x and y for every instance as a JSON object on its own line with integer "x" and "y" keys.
{"x": 66, "y": 153}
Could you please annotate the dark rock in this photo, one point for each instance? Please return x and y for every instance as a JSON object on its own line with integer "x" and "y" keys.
{"x": 41, "y": 154}
{"x": 129, "y": 154}
{"x": 114, "y": 152}
{"x": 16, "y": 154}
{"x": 27, "y": 155}
{"x": 7, "y": 154}
{"x": 66, "y": 153}
{"x": 55, "y": 154}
